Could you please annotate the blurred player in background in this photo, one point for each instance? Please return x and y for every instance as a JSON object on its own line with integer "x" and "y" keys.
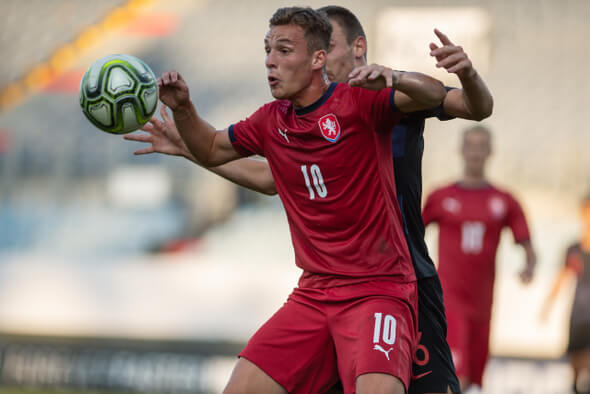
{"x": 329, "y": 150}
{"x": 433, "y": 370}
{"x": 577, "y": 265}
{"x": 471, "y": 214}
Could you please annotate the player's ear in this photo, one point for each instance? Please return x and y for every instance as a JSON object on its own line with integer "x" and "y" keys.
{"x": 318, "y": 59}
{"x": 359, "y": 47}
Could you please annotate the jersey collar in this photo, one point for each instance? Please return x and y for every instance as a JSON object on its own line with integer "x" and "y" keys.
{"x": 318, "y": 103}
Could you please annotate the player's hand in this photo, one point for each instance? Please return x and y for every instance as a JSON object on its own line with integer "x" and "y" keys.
{"x": 374, "y": 77}
{"x": 163, "y": 137}
{"x": 173, "y": 90}
{"x": 526, "y": 275}
{"x": 451, "y": 57}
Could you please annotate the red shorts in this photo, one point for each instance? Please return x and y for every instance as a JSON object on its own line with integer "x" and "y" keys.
{"x": 319, "y": 335}
{"x": 468, "y": 339}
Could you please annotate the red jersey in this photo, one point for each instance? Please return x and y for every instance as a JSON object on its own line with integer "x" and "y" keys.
{"x": 333, "y": 169}
{"x": 470, "y": 223}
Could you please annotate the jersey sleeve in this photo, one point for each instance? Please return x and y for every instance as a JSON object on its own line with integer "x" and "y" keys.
{"x": 436, "y": 112}
{"x": 573, "y": 260}
{"x": 516, "y": 220}
{"x": 431, "y": 211}
{"x": 378, "y": 109}
{"x": 247, "y": 136}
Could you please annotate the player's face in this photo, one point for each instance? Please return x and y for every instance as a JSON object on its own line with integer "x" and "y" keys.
{"x": 340, "y": 60}
{"x": 476, "y": 150}
{"x": 289, "y": 64}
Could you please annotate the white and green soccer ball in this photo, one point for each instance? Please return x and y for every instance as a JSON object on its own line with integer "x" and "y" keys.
{"x": 119, "y": 93}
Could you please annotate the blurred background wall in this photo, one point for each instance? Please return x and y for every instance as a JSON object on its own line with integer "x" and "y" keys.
{"x": 152, "y": 252}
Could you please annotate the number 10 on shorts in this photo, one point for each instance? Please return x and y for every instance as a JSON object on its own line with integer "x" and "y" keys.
{"x": 388, "y": 329}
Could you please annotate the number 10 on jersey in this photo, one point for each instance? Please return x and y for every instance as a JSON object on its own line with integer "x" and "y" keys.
{"x": 317, "y": 179}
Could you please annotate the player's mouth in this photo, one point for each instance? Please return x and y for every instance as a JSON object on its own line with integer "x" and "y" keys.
{"x": 273, "y": 81}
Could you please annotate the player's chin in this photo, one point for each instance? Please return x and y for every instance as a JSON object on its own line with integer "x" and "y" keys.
{"x": 277, "y": 93}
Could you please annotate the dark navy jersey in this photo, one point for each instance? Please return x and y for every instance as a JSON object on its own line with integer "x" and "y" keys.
{"x": 408, "y": 148}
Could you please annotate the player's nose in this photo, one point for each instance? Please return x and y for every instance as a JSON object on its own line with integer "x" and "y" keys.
{"x": 270, "y": 60}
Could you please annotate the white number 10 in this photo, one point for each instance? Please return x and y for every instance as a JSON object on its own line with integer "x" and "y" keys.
{"x": 389, "y": 326}
{"x": 318, "y": 181}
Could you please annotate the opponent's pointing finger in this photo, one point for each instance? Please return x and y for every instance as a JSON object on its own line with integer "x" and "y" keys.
{"x": 442, "y": 37}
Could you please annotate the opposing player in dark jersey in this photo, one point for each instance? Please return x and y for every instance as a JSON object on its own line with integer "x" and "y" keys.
{"x": 577, "y": 265}
{"x": 433, "y": 370}
{"x": 329, "y": 150}
{"x": 471, "y": 215}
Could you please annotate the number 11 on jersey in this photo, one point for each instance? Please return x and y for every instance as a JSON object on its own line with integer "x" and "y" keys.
{"x": 318, "y": 181}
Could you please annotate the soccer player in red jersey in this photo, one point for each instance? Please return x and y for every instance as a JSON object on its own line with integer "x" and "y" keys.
{"x": 433, "y": 370}
{"x": 577, "y": 264}
{"x": 471, "y": 215}
{"x": 329, "y": 149}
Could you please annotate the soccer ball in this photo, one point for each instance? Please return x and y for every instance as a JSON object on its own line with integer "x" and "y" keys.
{"x": 119, "y": 93}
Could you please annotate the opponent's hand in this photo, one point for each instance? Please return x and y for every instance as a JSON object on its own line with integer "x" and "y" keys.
{"x": 173, "y": 90}
{"x": 374, "y": 77}
{"x": 163, "y": 137}
{"x": 451, "y": 57}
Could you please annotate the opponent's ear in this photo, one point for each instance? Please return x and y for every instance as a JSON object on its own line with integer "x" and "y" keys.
{"x": 318, "y": 59}
{"x": 359, "y": 47}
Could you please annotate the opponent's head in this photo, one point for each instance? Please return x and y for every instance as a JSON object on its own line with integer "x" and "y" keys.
{"x": 476, "y": 149}
{"x": 296, "y": 47}
{"x": 348, "y": 44}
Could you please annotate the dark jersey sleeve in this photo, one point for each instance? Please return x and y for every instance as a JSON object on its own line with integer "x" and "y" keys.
{"x": 436, "y": 112}
{"x": 247, "y": 136}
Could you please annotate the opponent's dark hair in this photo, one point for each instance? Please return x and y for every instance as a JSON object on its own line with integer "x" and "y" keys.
{"x": 346, "y": 20}
{"x": 316, "y": 26}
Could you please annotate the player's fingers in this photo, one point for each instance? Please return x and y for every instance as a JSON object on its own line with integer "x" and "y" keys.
{"x": 138, "y": 137}
{"x": 173, "y": 76}
{"x": 442, "y": 37}
{"x": 144, "y": 151}
{"x": 363, "y": 73}
{"x": 164, "y": 114}
{"x": 355, "y": 72}
{"x": 158, "y": 124}
{"x": 165, "y": 78}
{"x": 432, "y": 47}
{"x": 376, "y": 73}
{"x": 463, "y": 65}
{"x": 451, "y": 60}
{"x": 147, "y": 127}
{"x": 446, "y": 50}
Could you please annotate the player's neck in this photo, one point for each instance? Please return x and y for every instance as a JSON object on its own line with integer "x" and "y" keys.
{"x": 312, "y": 93}
{"x": 474, "y": 181}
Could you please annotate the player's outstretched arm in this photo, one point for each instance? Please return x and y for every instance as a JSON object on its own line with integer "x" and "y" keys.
{"x": 474, "y": 101}
{"x": 208, "y": 146}
{"x": 413, "y": 91}
{"x": 527, "y": 273}
{"x": 164, "y": 138}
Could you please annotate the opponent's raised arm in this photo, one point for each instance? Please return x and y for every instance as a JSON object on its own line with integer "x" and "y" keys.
{"x": 208, "y": 146}
{"x": 413, "y": 91}
{"x": 474, "y": 101}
